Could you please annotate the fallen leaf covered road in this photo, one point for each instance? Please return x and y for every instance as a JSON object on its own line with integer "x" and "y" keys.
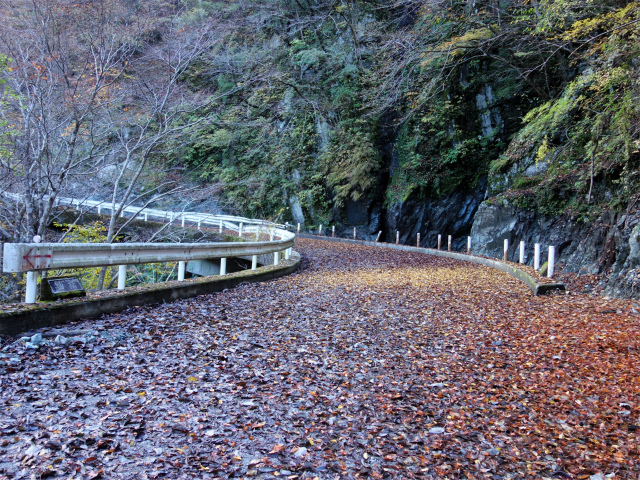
{"x": 368, "y": 363}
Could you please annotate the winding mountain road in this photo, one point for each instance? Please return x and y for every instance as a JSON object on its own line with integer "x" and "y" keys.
{"x": 367, "y": 363}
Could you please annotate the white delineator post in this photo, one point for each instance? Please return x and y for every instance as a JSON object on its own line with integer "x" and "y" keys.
{"x": 449, "y": 243}
{"x": 521, "y": 251}
{"x": 199, "y": 221}
{"x": 181, "y": 269}
{"x": 439, "y": 241}
{"x": 240, "y": 230}
{"x": 223, "y": 266}
{"x": 397, "y": 237}
{"x": 122, "y": 276}
{"x": 298, "y": 228}
{"x": 536, "y": 257}
{"x": 32, "y": 279}
{"x": 32, "y": 284}
{"x": 182, "y": 224}
{"x": 552, "y": 259}
{"x": 220, "y": 226}
{"x": 333, "y": 231}
{"x": 468, "y": 245}
{"x": 418, "y": 240}
{"x": 354, "y": 233}
{"x": 99, "y": 209}
{"x": 505, "y": 256}
{"x": 276, "y": 258}
{"x": 320, "y": 230}
{"x": 254, "y": 262}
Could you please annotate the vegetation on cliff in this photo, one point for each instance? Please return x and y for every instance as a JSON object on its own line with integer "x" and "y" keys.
{"x": 541, "y": 96}
{"x": 305, "y": 105}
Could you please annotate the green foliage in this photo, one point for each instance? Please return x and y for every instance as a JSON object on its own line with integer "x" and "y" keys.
{"x": 587, "y": 139}
{"x": 312, "y": 57}
{"x": 352, "y": 161}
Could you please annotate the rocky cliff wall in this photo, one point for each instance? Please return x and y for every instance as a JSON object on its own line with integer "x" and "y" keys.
{"x": 452, "y": 215}
{"x": 610, "y": 247}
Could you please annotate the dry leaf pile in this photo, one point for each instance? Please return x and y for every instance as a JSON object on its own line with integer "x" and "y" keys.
{"x": 368, "y": 363}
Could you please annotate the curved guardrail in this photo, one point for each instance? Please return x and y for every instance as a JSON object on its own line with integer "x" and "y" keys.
{"x": 35, "y": 257}
{"x": 145, "y": 213}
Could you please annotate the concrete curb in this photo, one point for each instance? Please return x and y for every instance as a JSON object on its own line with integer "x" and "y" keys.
{"x": 41, "y": 316}
{"x": 536, "y": 288}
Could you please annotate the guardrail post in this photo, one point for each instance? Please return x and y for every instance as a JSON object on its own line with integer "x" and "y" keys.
{"x": 552, "y": 259}
{"x": 287, "y": 253}
{"x": 254, "y": 262}
{"x": 223, "y": 266}
{"x": 122, "y": 276}
{"x": 271, "y": 236}
{"x": 181, "y": 268}
{"x": 182, "y": 220}
{"x": 257, "y": 233}
{"x": 418, "y": 241}
{"x": 240, "y": 230}
{"x": 468, "y": 245}
{"x": 333, "y": 231}
{"x": 32, "y": 286}
{"x": 449, "y": 243}
{"x": 521, "y": 251}
{"x": 439, "y": 241}
{"x": 276, "y": 258}
{"x": 505, "y": 255}
{"x": 397, "y": 237}
{"x": 354, "y": 233}
{"x": 536, "y": 257}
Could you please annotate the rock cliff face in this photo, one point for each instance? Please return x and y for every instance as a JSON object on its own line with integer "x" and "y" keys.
{"x": 610, "y": 246}
{"x": 450, "y": 215}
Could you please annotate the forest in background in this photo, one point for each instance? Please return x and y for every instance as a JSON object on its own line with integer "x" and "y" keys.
{"x": 291, "y": 107}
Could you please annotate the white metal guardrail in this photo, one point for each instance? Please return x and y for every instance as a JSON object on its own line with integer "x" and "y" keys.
{"x": 35, "y": 257}
{"x": 145, "y": 213}
{"x": 152, "y": 214}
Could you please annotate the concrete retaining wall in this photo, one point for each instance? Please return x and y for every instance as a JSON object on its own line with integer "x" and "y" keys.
{"x": 47, "y": 315}
{"x": 536, "y": 288}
